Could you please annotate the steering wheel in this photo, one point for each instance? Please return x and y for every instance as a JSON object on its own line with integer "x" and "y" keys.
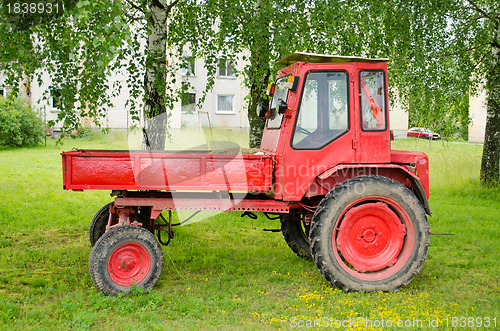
{"x": 304, "y": 131}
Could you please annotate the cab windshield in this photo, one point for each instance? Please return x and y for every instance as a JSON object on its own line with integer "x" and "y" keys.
{"x": 280, "y": 92}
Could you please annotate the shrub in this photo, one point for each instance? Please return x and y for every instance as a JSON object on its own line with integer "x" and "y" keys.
{"x": 19, "y": 125}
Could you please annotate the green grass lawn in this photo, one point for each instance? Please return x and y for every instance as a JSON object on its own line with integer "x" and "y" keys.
{"x": 225, "y": 272}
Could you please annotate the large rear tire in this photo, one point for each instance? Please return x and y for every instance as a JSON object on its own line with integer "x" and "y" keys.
{"x": 123, "y": 257}
{"x": 296, "y": 234}
{"x": 370, "y": 233}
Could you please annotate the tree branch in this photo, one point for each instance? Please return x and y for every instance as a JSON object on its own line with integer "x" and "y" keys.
{"x": 133, "y": 17}
{"x": 463, "y": 50}
{"x": 481, "y": 60}
{"x": 478, "y": 9}
{"x": 137, "y": 8}
{"x": 173, "y": 4}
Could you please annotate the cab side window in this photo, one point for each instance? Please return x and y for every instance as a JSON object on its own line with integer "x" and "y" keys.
{"x": 323, "y": 113}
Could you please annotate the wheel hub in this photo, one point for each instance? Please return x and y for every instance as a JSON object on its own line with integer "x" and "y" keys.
{"x": 129, "y": 264}
{"x": 370, "y": 237}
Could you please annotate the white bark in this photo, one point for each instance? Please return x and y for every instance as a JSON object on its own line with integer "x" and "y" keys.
{"x": 155, "y": 117}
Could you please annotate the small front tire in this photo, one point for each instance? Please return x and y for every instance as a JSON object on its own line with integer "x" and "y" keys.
{"x": 123, "y": 257}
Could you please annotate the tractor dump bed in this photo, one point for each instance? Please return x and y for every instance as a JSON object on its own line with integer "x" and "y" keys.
{"x": 166, "y": 171}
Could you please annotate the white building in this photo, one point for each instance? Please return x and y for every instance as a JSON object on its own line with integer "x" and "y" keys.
{"x": 4, "y": 88}
{"x": 398, "y": 118}
{"x": 224, "y": 106}
{"x": 478, "y": 115}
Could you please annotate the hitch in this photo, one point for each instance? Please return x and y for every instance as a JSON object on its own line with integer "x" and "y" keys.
{"x": 269, "y": 216}
{"x": 249, "y": 214}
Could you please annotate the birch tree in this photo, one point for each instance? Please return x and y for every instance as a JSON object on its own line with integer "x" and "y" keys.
{"x": 440, "y": 52}
{"x": 460, "y": 44}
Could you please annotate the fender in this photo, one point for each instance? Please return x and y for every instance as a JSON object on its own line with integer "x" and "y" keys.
{"x": 334, "y": 176}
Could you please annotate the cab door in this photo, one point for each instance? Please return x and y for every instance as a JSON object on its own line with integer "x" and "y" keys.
{"x": 373, "y": 137}
{"x": 321, "y": 137}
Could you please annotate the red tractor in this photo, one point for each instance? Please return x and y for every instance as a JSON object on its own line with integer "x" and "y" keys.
{"x": 325, "y": 169}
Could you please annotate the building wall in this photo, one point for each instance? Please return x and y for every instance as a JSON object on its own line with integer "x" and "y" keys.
{"x": 118, "y": 117}
{"x": 5, "y": 89}
{"x": 223, "y": 86}
{"x": 478, "y": 115}
{"x": 398, "y": 120}
{"x": 40, "y": 103}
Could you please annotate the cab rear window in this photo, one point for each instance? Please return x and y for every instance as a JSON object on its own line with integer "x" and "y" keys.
{"x": 373, "y": 100}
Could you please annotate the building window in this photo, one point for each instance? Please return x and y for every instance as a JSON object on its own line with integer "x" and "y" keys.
{"x": 55, "y": 100}
{"x": 225, "y": 104}
{"x": 187, "y": 66}
{"x": 188, "y": 101}
{"x": 226, "y": 68}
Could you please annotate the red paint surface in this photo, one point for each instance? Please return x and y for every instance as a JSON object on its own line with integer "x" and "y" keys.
{"x": 397, "y": 249}
{"x": 417, "y": 159}
{"x": 205, "y": 201}
{"x": 296, "y": 170}
{"x": 123, "y": 170}
{"x": 128, "y": 264}
{"x": 371, "y": 237}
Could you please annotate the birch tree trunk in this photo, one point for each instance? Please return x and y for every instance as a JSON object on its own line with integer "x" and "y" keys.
{"x": 258, "y": 73}
{"x": 260, "y": 68}
{"x": 490, "y": 163}
{"x": 155, "y": 112}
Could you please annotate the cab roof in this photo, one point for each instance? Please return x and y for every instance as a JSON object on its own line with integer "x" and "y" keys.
{"x": 323, "y": 58}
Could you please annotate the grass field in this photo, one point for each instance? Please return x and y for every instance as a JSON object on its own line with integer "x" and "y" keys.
{"x": 225, "y": 272}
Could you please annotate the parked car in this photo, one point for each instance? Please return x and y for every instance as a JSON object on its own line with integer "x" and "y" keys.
{"x": 422, "y": 133}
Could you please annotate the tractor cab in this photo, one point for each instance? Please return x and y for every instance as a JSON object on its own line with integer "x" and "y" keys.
{"x": 325, "y": 111}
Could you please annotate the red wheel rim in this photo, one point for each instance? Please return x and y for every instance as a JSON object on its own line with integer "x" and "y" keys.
{"x": 374, "y": 238}
{"x": 129, "y": 264}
